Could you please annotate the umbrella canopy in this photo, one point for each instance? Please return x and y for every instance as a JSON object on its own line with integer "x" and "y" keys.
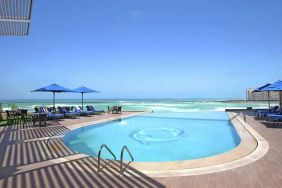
{"x": 260, "y": 90}
{"x": 262, "y": 87}
{"x": 83, "y": 90}
{"x": 276, "y": 86}
{"x": 54, "y": 88}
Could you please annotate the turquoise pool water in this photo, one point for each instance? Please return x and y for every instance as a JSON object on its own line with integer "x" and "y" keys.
{"x": 158, "y": 137}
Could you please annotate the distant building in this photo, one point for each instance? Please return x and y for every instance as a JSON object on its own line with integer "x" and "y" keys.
{"x": 260, "y": 96}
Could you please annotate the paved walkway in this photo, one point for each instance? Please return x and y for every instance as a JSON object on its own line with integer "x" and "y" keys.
{"x": 26, "y": 161}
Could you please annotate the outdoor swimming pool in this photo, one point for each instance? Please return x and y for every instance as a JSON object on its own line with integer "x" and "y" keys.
{"x": 159, "y": 137}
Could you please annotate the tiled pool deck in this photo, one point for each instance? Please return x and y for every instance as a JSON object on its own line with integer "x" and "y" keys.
{"x": 25, "y": 161}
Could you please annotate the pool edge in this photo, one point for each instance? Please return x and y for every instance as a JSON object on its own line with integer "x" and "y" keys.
{"x": 184, "y": 168}
{"x": 257, "y": 153}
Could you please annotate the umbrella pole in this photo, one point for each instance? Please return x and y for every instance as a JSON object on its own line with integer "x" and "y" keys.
{"x": 82, "y": 100}
{"x": 268, "y": 97}
{"x": 280, "y": 98}
{"x": 53, "y": 101}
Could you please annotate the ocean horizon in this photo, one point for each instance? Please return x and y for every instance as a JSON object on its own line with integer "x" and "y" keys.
{"x": 148, "y": 104}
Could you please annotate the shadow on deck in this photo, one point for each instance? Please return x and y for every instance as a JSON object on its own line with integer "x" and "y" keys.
{"x": 26, "y": 161}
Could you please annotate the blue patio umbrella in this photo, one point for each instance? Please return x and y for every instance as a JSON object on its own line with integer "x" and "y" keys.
{"x": 83, "y": 90}
{"x": 268, "y": 92}
{"x": 54, "y": 88}
{"x": 262, "y": 87}
{"x": 276, "y": 86}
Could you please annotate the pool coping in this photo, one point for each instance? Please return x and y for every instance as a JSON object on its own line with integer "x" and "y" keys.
{"x": 95, "y": 122}
{"x": 251, "y": 148}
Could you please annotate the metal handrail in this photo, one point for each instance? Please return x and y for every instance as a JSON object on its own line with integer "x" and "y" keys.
{"x": 125, "y": 148}
{"x": 100, "y": 168}
{"x": 99, "y": 157}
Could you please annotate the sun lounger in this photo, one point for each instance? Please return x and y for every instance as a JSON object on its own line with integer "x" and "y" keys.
{"x": 82, "y": 112}
{"x": 44, "y": 110}
{"x": 67, "y": 113}
{"x": 263, "y": 113}
{"x": 259, "y": 111}
{"x": 274, "y": 117}
{"x": 92, "y": 109}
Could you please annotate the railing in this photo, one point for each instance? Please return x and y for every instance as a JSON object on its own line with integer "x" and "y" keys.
{"x": 99, "y": 157}
{"x": 104, "y": 146}
{"x": 122, "y": 167}
{"x": 125, "y": 148}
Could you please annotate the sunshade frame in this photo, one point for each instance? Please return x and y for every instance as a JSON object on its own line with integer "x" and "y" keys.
{"x": 59, "y": 89}
{"x": 15, "y": 16}
{"x": 268, "y": 92}
{"x": 276, "y": 86}
{"x": 83, "y": 90}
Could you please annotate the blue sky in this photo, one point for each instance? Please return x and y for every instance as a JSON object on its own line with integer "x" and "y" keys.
{"x": 146, "y": 49}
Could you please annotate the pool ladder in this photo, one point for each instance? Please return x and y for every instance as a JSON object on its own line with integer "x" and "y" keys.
{"x": 122, "y": 167}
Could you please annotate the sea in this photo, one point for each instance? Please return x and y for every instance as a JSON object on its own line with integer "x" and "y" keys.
{"x": 157, "y": 105}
